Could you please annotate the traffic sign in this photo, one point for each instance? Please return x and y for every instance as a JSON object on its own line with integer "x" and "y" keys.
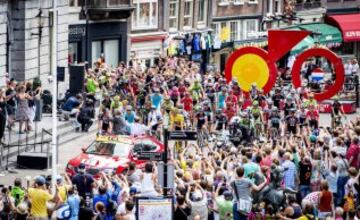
{"x": 183, "y": 135}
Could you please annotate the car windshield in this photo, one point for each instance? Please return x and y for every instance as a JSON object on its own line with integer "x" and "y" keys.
{"x": 109, "y": 148}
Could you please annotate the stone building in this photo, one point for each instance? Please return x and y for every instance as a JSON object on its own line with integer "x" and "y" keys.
{"x": 25, "y": 51}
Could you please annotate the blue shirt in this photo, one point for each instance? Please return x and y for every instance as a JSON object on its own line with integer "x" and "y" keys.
{"x": 221, "y": 101}
{"x": 130, "y": 117}
{"x": 74, "y": 203}
{"x": 71, "y": 103}
{"x": 104, "y": 199}
{"x": 156, "y": 100}
{"x": 289, "y": 174}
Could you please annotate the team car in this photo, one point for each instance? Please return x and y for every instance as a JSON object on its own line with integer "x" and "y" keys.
{"x": 111, "y": 154}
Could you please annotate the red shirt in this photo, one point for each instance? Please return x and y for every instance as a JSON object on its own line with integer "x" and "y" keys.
{"x": 229, "y": 111}
{"x": 182, "y": 90}
{"x": 231, "y": 99}
{"x": 353, "y": 152}
{"x": 187, "y": 102}
{"x": 314, "y": 115}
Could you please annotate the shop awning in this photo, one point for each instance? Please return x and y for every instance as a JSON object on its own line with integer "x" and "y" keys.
{"x": 349, "y": 25}
{"x": 321, "y": 33}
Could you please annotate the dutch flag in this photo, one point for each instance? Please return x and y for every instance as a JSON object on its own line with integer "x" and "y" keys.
{"x": 317, "y": 75}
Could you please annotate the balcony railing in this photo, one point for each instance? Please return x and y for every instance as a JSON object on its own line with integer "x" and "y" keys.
{"x": 306, "y": 4}
{"x": 108, "y": 9}
{"x": 108, "y": 3}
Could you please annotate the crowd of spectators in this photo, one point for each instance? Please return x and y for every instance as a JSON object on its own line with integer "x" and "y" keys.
{"x": 282, "y": 147}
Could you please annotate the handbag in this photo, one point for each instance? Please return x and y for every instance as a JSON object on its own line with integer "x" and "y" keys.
{"x": 243, "y": 206}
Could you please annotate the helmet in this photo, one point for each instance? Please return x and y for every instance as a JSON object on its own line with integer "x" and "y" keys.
{"x": 255, "y": 103}
{"x": 270, "y": 102}
{"x": 274, "y": 108}
{"x": 254, "y": 84}
{"x": 312, "y": 138}
{"x": 289, "y": 99}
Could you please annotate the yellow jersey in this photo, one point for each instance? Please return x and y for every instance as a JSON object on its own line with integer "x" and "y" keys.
{"x": 39, "y": 198}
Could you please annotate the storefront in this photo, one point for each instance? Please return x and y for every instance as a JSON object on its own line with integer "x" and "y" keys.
{"x": 350, "y": 28}
{"x": 146, "y": 49}
{"x": 88, "y": 42}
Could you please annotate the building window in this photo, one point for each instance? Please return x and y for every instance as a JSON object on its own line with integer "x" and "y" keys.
{"x": 188, "y": 8}
{"x": 202, "y": 11}
{"x": 173, "y": 15}
{"x": 277, "y": 6}
{"x": 250, "y": 27}
{"x": 252, "y": 1}
{"x": 76, "y": 3}
{"x": 110, "y": 50}
{"x": 223, "y": 2}
{"x": 234, "y": 30}
{"x": 145, "y": 15}
{"x": 238, "y": 2}
{"x": 73, "y": 54}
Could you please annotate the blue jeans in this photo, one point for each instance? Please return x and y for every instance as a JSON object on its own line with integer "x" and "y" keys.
{"x": 237, "y": 215}
{"x": 304, "y": 190}
{"x": 342, "y": 180}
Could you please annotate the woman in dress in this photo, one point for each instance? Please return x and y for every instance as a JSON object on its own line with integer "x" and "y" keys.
{"x": 23, "y": 112}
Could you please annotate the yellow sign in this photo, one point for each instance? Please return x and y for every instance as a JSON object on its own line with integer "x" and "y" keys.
{"x": 248, "y": 69}
{"x": 118, "y": 138}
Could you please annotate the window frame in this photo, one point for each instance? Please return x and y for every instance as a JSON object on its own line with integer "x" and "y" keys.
{"x": 224, "y": 2}
{"x": 239, "y": 2}
{"x": 245, "y": 28}
{"x": 190, "y": 17}
{"x": 237, "y": 30}
{"x": 176, "y": 3}
{"x": 253, "y": 2}
{"x": 202, "y": 23}
{"x": 136, "y": 4}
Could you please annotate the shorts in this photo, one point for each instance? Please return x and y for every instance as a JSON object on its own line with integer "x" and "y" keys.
{"x": 292, "y": 129}
{"x": 313, "y": 124}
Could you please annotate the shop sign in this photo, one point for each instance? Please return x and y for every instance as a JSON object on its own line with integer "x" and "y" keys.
{"x": 77, "y": 31}
{"x": 257, "y": 34}
{"x": 352, "y": 33}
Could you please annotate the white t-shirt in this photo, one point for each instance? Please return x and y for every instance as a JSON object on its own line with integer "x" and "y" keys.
{"x": 138, "y": 129}
{"x": 348, "y": 68}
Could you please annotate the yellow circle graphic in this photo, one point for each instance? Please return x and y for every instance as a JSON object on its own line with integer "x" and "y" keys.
{"x": 248, "y": 69}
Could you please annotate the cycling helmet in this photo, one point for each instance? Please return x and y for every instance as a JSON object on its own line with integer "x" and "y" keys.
{"x": 312, "y": 138}
{"x": 274, "y": 109}
{"x": 270, "y": 102}
{"x": 289, "y": 99}
{"x": 255, "y": 103}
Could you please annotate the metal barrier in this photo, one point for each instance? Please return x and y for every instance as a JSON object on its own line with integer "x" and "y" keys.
{"x": 27, "y": 144}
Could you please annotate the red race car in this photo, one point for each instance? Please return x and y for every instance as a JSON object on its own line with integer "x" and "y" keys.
{"x": 111, "y": 154}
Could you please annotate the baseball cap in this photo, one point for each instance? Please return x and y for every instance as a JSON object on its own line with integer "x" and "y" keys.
{"x": 40, "y": 180}
{"x": 81, "y": 166}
